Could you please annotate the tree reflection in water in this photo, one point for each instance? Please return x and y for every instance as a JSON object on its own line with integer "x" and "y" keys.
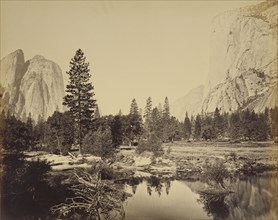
{"x": 134, "y": 182}
{"x": 167, "y": 186}
{"x": 153, "y": 183}
{"x": 253, "y": 197}
{"x": 215, "y": 205}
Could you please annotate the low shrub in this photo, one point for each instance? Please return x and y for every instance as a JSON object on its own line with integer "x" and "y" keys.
{"x": 153, "y": 144}
{"x": 215, "y": 173}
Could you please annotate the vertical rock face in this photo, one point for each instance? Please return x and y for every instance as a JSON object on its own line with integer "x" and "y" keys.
{"x": 35, "y": 87}
{"x": 243, "y": 39}
{"x": 243, "y": 60}
{"x": 11, "y": 67}
{"x": 10, "y": 77}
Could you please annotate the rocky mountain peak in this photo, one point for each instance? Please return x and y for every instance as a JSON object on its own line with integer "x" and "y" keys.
{"x": 38, "y": 57}
{"x": 34, "y": 87}
{"x": 11, "y": 67}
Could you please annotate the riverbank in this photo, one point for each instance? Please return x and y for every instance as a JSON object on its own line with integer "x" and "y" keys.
{"x": 181, "y": 160}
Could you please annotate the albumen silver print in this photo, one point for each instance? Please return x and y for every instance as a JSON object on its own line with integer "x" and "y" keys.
{"x": 147, "y": 110}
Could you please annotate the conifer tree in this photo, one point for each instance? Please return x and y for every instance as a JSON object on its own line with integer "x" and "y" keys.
{"x": 274, "y": 123}
{"x": 187, "y": 126}
{"x": 246, "y": 124}
{"x": 134, "y": 110}
{"x": 166, "y": 108}
{"x": 156, "y": 125}
{"x": 166, "y": 120}
{"x": 148, "y": 108}
{"x": 218, "y": 123}
{"x": 147, "y": 115}
{"x": 30, "y": 131}
{"x": 207, "y": 128}
{"x": 198, "y": 127}
{"x": 135, "y": 122}
{"x": 235, "y": 126}
{"x": 79, "y": 98}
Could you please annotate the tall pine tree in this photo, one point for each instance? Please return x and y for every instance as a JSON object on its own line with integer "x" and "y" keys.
{"x": 79, "y": 98}
{"x": 166, "y": 108}
{"x": 135, "y": 129}
{"x": 198, "y": 127}
{"x": 134, "y": 110}
{"x": 147, "y": 116}
{"x": 166, "y": 120}
{"x": 218, "y": 124}
{"x": 187, "y": 127}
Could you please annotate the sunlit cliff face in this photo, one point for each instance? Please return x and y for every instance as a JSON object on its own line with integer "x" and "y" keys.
{"x": 33, "y": 88}
{"x": 243, "y": 63}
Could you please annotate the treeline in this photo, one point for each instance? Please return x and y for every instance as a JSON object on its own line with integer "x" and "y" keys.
{"x": 105, "y": 134}
{"x": 101, "y": 136}
{"x": 240, "y": 125}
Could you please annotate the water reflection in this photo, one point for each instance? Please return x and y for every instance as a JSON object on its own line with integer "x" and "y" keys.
{"x": 156, "y": 184}
{"x": 163, "y": 199}
{"x": 215, "y": 205}
{"x": 153, "y": 183}
{"x": 252, "y": 198}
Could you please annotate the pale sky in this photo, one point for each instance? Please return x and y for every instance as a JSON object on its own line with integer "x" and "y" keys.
{"x": 136, "y": 49}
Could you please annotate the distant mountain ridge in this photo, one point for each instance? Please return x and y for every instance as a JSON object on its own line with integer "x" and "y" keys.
{"x": 191, "y": 103}
{"x": 34, "y": 87}
{"x": 243, "y": 61}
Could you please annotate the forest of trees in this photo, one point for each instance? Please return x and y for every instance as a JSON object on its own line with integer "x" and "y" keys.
{"x": 106, "y": 133}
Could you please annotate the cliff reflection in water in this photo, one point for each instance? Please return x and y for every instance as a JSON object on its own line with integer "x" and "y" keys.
{"x": 254, "y": 197}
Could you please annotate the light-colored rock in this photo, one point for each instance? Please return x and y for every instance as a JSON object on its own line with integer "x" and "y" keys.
{"x": 243, "y": 63}
{"x": 10, "y": 76}
{"x": 246, "y": 91}
{"x": 190, "y": 103}
{"x": 35, "y": 87}
{"x": 243, "y": 39}
{"x": 42, "y": 89}
{"x": 243, "y": 60}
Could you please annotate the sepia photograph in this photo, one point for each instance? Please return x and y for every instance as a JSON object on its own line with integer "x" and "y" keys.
{"x": 139, "y": 110}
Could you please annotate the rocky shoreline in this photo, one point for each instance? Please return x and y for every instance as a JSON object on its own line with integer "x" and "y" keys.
{"x": 181, "y": 163}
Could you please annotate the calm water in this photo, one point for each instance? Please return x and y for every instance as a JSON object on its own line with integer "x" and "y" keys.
{"x": 254, "y": 198}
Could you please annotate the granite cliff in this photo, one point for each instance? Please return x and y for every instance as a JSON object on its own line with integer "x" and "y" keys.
{"x": 34, "y": 87}
{"x": 243, "y": 60}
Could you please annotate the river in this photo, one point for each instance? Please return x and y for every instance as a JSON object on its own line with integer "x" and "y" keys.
{"x": 253, "y": 197}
